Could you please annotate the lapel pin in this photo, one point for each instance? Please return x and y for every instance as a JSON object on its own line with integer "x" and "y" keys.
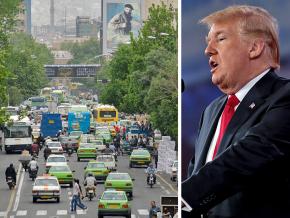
{"x": 252, "y": 105}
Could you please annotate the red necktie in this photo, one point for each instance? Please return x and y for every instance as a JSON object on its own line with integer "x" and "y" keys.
{"x": 227, "y": 115}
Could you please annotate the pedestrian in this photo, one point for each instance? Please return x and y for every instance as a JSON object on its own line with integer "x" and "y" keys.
{"x": 241, "y": 165}
{"x": 166, "y": 213}
{"x": 154, "y": 210}
{"x": 77, "y": 196}
{"x": 155, "y": 155}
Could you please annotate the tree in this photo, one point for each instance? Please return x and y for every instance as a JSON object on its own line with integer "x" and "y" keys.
{"x": 25, "y": 60}
{"x": 83, "y": 53}
{"x": 8, "y": 10}
{"x": 147, "y": 71}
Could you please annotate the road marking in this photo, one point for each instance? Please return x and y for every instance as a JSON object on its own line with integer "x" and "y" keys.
{"x": 143, "y": 212}
{"x": 17, "y": 198}
{"x": 81, "y": 212}
{"x": 167, "y": 192}
{"x": 41, "y": 213}
{"x": 72, "y": 216}
{"x": 3, "y": 213}
{"x": 12, "y": 216}
{"x": 158, "y": 183}
{"x": 133, "y": 216}
{"x": 21, "y": 213}
{"x": 170, "y": 186}
{"x": 162, "y": 187}
{"x": 61, "y": 212}
{"x": 13, "y": 191}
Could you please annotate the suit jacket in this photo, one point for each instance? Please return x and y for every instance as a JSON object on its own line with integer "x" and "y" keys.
{"x": 249, "y": 178}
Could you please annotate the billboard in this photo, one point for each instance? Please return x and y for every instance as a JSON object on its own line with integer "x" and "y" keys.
{"x": 120, "y": 17}
{"x": 72, "y": 71}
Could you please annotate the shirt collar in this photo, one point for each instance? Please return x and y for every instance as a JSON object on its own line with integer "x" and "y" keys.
{"x": 246, "y": 88}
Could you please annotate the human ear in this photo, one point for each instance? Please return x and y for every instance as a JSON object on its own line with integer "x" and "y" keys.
{"x": 256, "y": 48}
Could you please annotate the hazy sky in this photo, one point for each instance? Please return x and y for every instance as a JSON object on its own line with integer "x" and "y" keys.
{"x": 40, "y": 11}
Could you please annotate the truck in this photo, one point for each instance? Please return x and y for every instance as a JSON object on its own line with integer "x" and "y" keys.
{"x": 50, "y": 124}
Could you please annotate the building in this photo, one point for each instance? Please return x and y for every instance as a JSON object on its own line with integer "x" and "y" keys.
{"x": 24, "y": 17}
{"x": 86, "y": 26}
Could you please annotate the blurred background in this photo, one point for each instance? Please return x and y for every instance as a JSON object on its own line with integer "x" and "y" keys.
{"x": 199, "y": 91}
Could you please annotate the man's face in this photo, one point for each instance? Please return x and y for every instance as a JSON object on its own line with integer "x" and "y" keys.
{"x": 127, "y": 10}
{"x": 228, "y": 57}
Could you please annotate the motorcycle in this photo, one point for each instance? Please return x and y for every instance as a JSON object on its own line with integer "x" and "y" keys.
{"x": 151, "y": 180}
{"x": 10, "y": 182}
{"x": 33, "y": 174}
{"x": 90, "y": 193}
{"x": 69, "y": 151}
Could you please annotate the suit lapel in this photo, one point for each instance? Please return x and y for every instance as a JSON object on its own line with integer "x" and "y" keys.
{"x": 252, "y": 101}
{"x": 211, "y": 120}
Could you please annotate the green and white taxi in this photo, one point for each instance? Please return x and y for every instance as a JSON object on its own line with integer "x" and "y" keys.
{"x": 98, "y": 169}
{"x": 120, "y": 182}
{"x": 140, "y": 157}
{"x": 63, "y": 173}
{"x": 86, "y": 150}
{"x": 114, "y": 203}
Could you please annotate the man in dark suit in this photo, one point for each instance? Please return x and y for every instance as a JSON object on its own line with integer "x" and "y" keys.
{"x": 241, "y": 166}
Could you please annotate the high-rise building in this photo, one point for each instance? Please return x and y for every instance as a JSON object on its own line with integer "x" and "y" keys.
{"x": 86, "y": 26}
{"x": 24, "y": 17}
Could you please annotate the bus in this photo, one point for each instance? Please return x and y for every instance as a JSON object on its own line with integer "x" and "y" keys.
{"x": 59, "y": 94}
{"x": 46, "y": 92}
{"x": 79, "y": 121}
{"x": 63, "y": 110}
{"x": 105, "y": 114}
{"x": 17, "y": 136}
{"x": 38, "y": 102}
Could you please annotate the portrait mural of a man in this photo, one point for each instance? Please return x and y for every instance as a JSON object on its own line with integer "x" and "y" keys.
{"x": 120, "y": 19}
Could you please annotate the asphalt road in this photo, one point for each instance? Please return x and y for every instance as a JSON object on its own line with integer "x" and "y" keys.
{"x": 18, "y": 202}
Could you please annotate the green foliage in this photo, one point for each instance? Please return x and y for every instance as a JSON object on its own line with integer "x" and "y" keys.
{"x": 25, "y": 60}
{"x": 8, "y": 10}
{"x": 144, "y": 74}
{"x": 83, "y": 53}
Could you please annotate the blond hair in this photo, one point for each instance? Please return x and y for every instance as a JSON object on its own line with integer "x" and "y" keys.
{"x": 254, "y": 22}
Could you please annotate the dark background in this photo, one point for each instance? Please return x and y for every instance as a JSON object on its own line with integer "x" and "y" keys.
{"x": 199, "y": 91}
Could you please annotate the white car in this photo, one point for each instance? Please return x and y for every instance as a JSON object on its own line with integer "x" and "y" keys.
{"x": 174, "y": 170}
{"x": 55, "y": 147}
{"x": 55, "y": 160}
{"x": 46, "y": 187}
{"x": 108, "y": 160}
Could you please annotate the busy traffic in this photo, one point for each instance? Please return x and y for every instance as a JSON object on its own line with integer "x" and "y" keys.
{"x": 71, "y": 156}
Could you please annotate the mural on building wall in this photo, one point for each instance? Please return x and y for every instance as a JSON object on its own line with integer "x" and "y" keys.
{"x": 119, "y": 19}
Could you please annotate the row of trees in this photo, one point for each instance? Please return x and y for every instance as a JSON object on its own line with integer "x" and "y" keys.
{"x": 21, "y": 60}
{"x": 143, "y": 74}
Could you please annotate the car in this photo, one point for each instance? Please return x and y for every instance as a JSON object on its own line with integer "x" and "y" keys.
{"x": 98, "y": 169}
{"x": 174, "y": 169}
{"x": 140, "y": 157}
{"x": 112, "y": 131}
{"x": 108, "y": 160}
{"x": 75, "y": 136}
{"x": 114, "y": 203}
{"x": 133, "y": 132}
{"x": 55, "y": 147}
{"x": 63, "y": 173}
{"x": 68, "y": 142}
{"x": 157, "y": 134}
{"x": 120, "y": 182}
{"x": 106, "y": 136}
{"x": 126, "y": 147}
{"x": 86, "y": 150}
{"x": 99, "y": 144}
{"x": 45, "y": 187}
{"x": 55, "y": 160}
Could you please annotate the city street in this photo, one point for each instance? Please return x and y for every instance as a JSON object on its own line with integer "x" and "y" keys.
{"x": 18, "y": 202}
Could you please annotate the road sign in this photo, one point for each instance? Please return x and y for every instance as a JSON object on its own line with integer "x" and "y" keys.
{"x": 72, "y": 71}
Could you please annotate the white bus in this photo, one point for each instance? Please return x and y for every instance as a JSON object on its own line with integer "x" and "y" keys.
{"x": 17, "y": 136}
